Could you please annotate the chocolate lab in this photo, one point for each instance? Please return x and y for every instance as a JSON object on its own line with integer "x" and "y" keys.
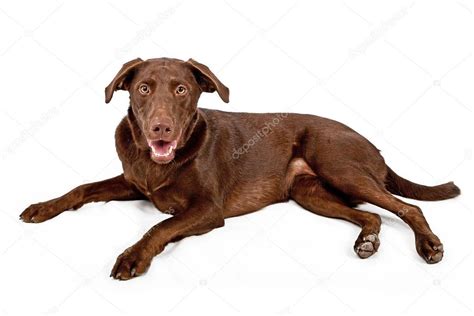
{"x": 203, "y": 166}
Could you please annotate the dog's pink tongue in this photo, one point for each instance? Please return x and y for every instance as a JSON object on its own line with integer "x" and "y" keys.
{"x": 161, "y": 147}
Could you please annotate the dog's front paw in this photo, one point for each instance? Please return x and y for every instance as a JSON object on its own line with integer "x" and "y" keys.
{"x": 40, "y": 212}
{"x": 131, "y": 263}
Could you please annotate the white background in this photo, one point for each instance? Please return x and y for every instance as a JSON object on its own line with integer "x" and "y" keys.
{"x": 398, "y": 72}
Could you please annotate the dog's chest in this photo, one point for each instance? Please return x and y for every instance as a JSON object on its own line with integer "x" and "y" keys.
{"x": 161, "y": 188}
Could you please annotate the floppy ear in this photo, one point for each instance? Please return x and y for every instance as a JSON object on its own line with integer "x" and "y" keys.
{"x": 207, "y": 80}
{"x": 122, "y": 78}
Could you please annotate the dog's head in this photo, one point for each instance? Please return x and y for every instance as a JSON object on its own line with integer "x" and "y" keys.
{"x": 163, "y": 97}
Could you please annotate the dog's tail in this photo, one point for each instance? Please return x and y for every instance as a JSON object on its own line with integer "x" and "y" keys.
{"x": 403, "y": 187}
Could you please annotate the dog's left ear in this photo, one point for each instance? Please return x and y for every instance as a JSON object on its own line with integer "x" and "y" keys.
{"x": 122, "y": 78}
{"x": 207, "y": 80}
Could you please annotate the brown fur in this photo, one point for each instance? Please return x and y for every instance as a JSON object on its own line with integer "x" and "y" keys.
{"x": 229, "y": 164}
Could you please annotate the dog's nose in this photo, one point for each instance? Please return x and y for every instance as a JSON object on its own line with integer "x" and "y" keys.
{"x": 161, "y": 127}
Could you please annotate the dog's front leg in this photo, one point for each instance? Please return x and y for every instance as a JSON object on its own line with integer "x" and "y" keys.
{"x": 196, "y": 220}
{"x": 116, "y": 188}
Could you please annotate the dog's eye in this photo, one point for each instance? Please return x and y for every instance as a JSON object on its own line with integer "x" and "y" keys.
{"x": 181, "y": 90}
{"x": 144, "y": 89}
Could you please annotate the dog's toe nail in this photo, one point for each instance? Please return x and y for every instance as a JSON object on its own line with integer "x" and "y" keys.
{"x": 133, "y": 272}
{"x": 438, "y": 248}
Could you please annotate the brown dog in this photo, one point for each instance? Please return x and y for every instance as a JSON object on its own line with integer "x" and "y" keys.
{"x": 204, "y": 166}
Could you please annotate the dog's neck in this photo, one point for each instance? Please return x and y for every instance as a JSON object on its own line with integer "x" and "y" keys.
{"x": 137, "y": 135}
{"x": 193, "y": 137}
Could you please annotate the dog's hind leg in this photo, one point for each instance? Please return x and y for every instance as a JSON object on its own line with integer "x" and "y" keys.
{"x": 358, "y": 185}
{"x": 312, "y": 194}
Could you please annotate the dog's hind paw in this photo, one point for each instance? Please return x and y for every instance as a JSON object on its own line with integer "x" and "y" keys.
{"x": 430, "y": 248}
{"x": 366, "y": 245}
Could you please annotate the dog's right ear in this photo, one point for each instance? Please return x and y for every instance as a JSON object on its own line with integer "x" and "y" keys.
{"x": 122, "y": 78}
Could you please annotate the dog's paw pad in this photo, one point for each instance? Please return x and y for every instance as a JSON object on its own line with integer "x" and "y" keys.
{"x": 367, "y": 245}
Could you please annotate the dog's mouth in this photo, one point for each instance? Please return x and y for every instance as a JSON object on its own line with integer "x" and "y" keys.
{"x": 162, "y": 151}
